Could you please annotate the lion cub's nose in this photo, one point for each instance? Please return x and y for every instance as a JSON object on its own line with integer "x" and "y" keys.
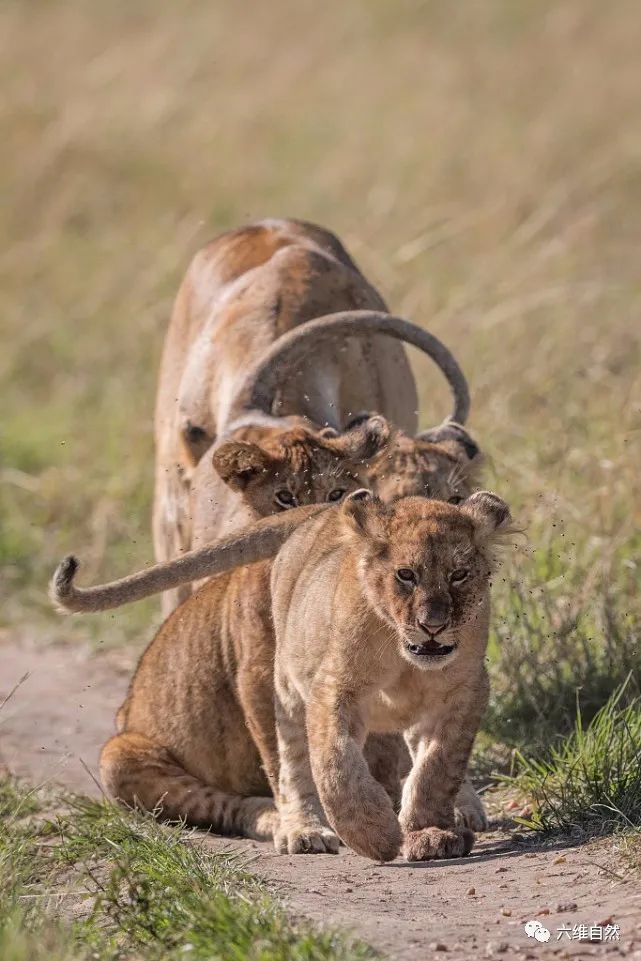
{"x": 432, "y": 625}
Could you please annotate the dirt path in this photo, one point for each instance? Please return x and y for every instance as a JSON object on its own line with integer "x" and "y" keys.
{"x": 477, "y": 906}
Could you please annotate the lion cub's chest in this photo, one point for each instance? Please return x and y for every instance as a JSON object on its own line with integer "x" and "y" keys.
{"x": 411, "y": 696}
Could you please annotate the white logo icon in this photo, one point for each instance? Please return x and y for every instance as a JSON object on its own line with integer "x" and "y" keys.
{"x": 534, "y": 929}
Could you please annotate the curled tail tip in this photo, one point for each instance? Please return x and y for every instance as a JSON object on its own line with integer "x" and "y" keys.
{"x": 64, "y": 574}
{"x": 61, "y": 586}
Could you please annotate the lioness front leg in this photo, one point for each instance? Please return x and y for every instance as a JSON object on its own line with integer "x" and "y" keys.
{"x": 171, "y": 528}
{"x": 441, "y": 753}
{"x": 303, "y": 828}
{"x": 357, "y": 806}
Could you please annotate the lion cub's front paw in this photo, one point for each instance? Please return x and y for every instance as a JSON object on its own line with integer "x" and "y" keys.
{"x": 377, "y": 837}
{"x": 306, "y": 839}
{"x": 437, "y": 843}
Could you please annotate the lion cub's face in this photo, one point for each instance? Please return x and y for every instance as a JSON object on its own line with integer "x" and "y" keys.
{"x": 425, "y": 567}
{"x": 276, "y": 469}
{"x": 442, "y": 463}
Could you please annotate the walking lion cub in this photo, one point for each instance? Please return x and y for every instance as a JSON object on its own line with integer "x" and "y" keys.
{"x": 381, "y": 617}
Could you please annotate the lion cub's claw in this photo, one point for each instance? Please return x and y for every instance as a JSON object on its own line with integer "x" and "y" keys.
{"x": 436, "y": 843}
{"x": 310, "y": 839}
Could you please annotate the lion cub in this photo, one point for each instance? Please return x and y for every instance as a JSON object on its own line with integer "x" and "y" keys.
{"x": 443, "y": 463}
{"x": 276, "y": 468}
{"x": 381, "y": 617}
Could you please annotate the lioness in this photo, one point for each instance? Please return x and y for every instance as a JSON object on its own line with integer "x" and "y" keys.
{"x": 381, "y": 618}
{"x": 247, "y": 339}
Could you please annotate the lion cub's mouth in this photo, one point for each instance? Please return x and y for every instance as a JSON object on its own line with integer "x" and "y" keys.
{"x": 430, "y": 648}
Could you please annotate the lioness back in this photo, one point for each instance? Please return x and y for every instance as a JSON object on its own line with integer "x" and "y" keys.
{"x": 242, "y": 291}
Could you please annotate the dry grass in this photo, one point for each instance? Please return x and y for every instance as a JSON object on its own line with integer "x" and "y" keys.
{"x": 482, "y": 162}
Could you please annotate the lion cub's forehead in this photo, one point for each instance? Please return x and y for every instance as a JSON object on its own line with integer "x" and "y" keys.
{"x": 418, "y": 527}
{"x": 308, "y": 456}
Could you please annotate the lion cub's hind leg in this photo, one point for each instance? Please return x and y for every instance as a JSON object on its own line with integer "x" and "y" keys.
{"x": 469, "y": 810}
{"x": 141, "y": 773}
{"x": 388, "y": 761}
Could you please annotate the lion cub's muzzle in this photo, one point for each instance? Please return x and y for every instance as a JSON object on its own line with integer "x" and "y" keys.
{"x": 430, "y": 648}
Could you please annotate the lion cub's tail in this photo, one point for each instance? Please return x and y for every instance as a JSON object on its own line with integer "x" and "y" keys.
{"x": 258, "y": 542}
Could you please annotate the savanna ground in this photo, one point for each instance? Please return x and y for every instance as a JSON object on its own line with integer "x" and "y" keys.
{"x": 482, "y": 161}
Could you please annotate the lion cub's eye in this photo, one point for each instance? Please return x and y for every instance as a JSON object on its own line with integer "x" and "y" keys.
{"x": 455, "y": 499}
{"x": 459, "y": 575}
{"x": 336, "y": 495}
{"x": 406, "y": 575}
{"x": 285, "y": 498}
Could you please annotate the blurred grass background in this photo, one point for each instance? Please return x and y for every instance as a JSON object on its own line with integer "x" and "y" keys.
{"x": 481, "y": 160}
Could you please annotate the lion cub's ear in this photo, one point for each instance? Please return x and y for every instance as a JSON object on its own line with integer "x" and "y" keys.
{"x": 365, "y": 515}
{"x": 357, "y": 419}
{"x": 364, "y": 439}
{"x": 489, "y": 512}
{"x": 454, "y": 438}
{"x": 237, "y": 462}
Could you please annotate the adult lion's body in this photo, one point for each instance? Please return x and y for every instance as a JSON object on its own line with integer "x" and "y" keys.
{"x": 241, "y": 293}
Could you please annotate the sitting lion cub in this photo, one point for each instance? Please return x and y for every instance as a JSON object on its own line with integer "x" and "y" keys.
{"x": 381, "y": 618}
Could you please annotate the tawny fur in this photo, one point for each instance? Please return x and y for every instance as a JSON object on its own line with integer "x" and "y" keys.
{"x": 240, "y": 293}
{"x": 262, "y": 462}
{"x": 229, "y": 552}
{"x": 201, "y": 707}
{"x": 444, "y": 464}
{"x": 354, "y": 656}
{"x": 196, "y": 733}
{"x": 418, "y": 466}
